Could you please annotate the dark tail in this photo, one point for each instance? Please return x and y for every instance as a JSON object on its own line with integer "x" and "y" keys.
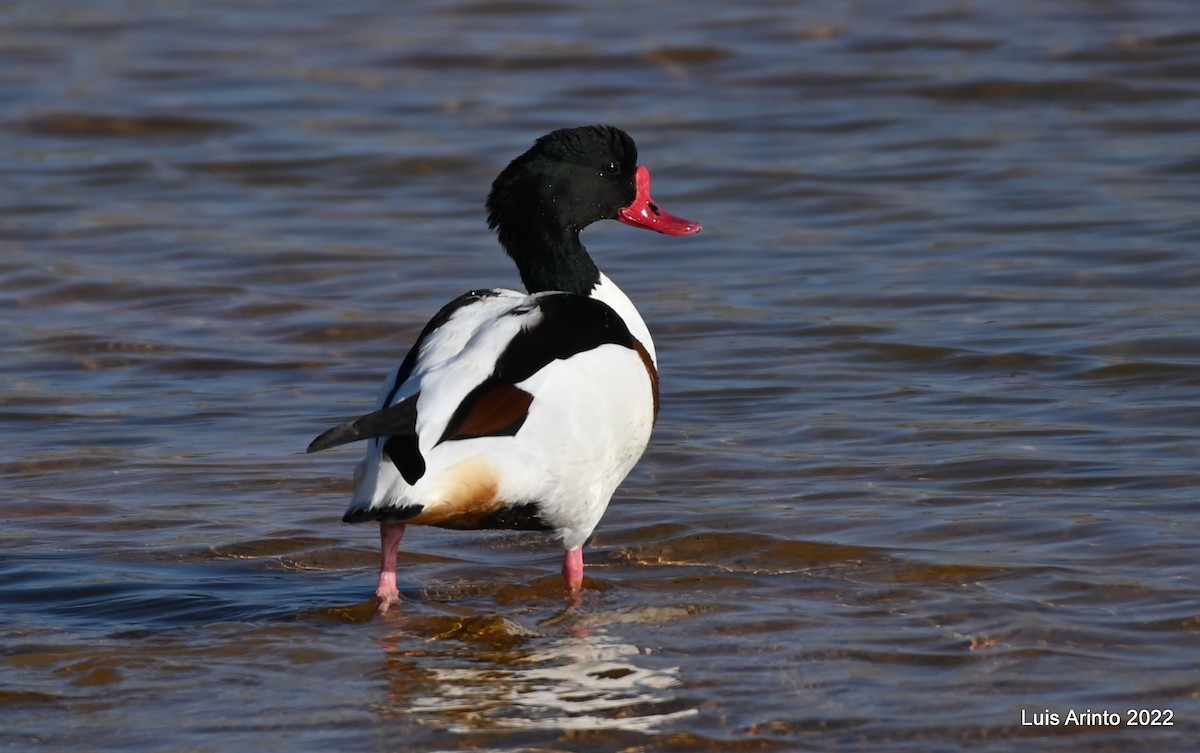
{"x": 396, "y": 420}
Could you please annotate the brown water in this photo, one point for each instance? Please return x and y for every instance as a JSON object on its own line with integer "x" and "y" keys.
{"x": 929, "y": 450}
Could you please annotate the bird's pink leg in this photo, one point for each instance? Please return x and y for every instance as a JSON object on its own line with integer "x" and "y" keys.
{"x": 389, "y": 542}
{"x": 573, "y": 573}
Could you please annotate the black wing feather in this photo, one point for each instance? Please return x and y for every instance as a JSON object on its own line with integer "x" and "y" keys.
{"x": 395, "y": 420}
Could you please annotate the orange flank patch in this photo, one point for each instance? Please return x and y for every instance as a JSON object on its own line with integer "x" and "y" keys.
{"x": 497, "y": 411}
{"x": 469, "y": 496}
{"x": 651, "y": 371}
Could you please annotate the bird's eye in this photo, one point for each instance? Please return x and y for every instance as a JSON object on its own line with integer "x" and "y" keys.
{"x": 612, "y": 168}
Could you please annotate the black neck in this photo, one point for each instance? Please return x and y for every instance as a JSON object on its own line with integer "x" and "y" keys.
{"x": 552, "y": 260}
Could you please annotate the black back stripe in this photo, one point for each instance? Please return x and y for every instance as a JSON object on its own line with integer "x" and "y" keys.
{"x": 570, "y": 324}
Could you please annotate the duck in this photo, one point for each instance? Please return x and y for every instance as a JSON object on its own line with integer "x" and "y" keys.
{"x": 522, "y": 410}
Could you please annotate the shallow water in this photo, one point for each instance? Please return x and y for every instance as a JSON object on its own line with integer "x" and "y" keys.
{"x": 927, "y": 461}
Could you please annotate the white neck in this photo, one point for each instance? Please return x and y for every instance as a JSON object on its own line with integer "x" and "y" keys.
{"x": 607, "y": 291}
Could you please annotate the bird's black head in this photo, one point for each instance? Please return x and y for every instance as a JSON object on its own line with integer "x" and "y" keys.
{"x": 567, "y": 180}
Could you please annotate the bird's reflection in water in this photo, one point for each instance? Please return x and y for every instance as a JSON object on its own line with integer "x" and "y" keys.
{"x": 511, "y": 677}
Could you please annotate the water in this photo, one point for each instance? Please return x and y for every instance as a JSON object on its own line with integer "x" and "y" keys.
{"x": 927, "y": 461}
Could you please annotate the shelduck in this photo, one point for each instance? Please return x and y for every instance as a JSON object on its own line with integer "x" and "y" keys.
{"x": 522, "y": 410}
